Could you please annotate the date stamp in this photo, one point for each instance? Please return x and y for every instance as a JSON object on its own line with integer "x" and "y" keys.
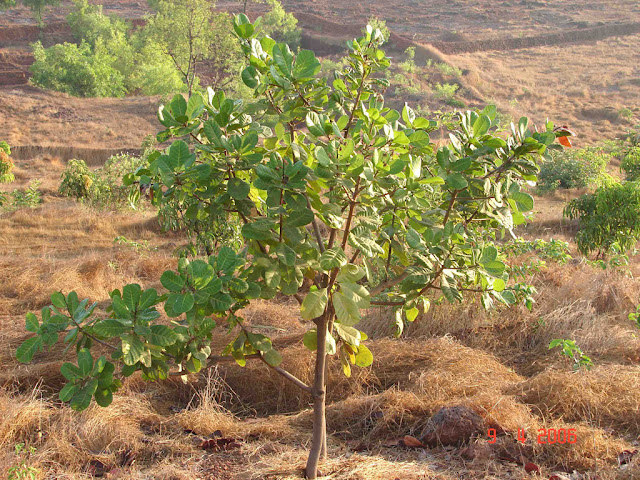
{"x": 546, "y": 436}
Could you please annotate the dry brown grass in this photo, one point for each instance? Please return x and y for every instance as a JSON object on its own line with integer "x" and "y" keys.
{"x": 607, "y": 396}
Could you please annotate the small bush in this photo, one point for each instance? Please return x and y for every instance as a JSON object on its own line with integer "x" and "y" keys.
{"x": 609, "y": 218}
{"x": 631, "y": 164}
{"x": 6, "y": 165}
{"x": 77, "y": 180}
{"x": 446, "y": 91}
{"x": 573, "y": 169}
{"x": 280, "y": 25}
{"x": 103, "y": 187}
{"x": 30, "y": 197}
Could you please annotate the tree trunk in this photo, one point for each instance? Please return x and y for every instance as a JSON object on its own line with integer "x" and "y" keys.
{"x": 319, "y": 421}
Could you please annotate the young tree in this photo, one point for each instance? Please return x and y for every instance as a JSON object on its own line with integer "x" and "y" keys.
{"x": 342, "y": 191}
{"x": 191, "y": 33}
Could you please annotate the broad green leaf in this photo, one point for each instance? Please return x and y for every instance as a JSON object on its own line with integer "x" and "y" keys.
{"x": 32, "y": 324}
{"x": 58, "y": 301}
{"x": 456, "y": 181}
{"x": 310, "y": 340}
{"x": 172, "y": 281}
{"x": 272, "y": 357}
{"x": 349, "y": 334}
{"x": 306, "y": 65}
{"x": 494, "y": 268}
{"x": 103, "y": 397}
{"x": 110, "y": 327}
{"x": 346, "y": 309}
{"x": 314, "y": 304}
{"x": 68, "y": 391}
{"x": 364, "y": 357}
{"x": 85, "y": 362}
{"x": 132, "y": 349}
{"x": 333, "y": 258}
{"x": 177, "y": 304}
{"x": 131, "y": 296}
{"x": 283, "y": 58}
{"x": 82, "y": 399}
{"x": 481, "y": 125}
{"x": 162, "y": 336}
{"x": 524, "y": 201}
{"x": 238, "y": 189}
{"x": 331, "y": 346}
{"x": 28, "y": 348}
{"x": 357, "y": 293}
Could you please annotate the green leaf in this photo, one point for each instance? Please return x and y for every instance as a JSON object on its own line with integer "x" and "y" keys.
{"x": 103, "y": 397}
{"x": 58, "y": 300}
{"x": 299, "y": 218}
{"x": 85, "y": 362}
{"x": 283, "y": 58}
{"x": 177, "y": 304}
{"x": 364, "y": 357}
{"x": 333, "y": 258}
{"x": 131, "y": 296}
{"x": 272, "y": 357}
{"x": 110, "y": 327}
{"x": 412, "y": 313}
{"x": 132, "y": 349}
{"x": 162, "y": 336}
{"x": 250, "y": 76}
{"x": 306, "y": 65}
{"x": 489, "y": 254}
{"x": 314, "y": 304}
{"x": 68, "y": 391}
{"x": 28, "y": 348}
{"x": 32, "y": 323}
{"x": 349, "y": 334}
{"x": 481, "y": 125}
{"x": 494, "y": 268}
{"x": 82, "y": 399}
{"x": 357, "y": 293}
{"x": 524, "y": 201}
{"x": 350, "y": 273}
{"x": 238, "y": 189}
{"x": 346, "y": 309}
{"x": 456, "y": 181}
{"x": 310, "y": 340}
{"x": 172, "y": 281}
{"x": 330, "y": 344}
{"x": 286, "y": 254}
{"x": 259, "y": 342}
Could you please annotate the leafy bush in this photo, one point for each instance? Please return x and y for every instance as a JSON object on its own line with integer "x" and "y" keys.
{"x": 30, "y": 197}
{"x": 6, "y": 165}
{"x": 380, "y": 25}
{"x": 77, "y": 70}
{"x": 608, "y": 218}
{"x": 630, "y": 164}
{"x": 281, "y": 25}
{"x": 102, "y": 187}
{"x": 446, "y": 91}
{"x": 573, "y": 169}
{"x": 77, "y": 180}
{"x": 342, "y": 191}
{"x": 573, "y": 352}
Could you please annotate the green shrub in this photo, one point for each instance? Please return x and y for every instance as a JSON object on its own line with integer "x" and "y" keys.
{"x": 102, "y": 187}
{"x": 77, "y": 180}
{"x": 6, "y": 165}
{"x": 280, "y": 25}
{"x": 380, "y": 24}
{"x": 573, "y": 169}
{"x": 30, "y": 197}
{"x": 609, "y": 218}
{"x": 446, "y": 91}
{"x": 77, "y": 70}
{"x": 631, "y": 164}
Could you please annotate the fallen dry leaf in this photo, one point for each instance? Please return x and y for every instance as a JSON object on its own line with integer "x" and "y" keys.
{"x": 411, "y": 442}
{"x": 530, "y": 467}
{"x": 217, "y": 444}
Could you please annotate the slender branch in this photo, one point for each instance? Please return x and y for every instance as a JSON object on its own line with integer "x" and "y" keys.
{"x": 451, "y": 202}
{"x": 292, "y": 378}
{"x": 388, "y": 284}
{"x": 316, "y": 228}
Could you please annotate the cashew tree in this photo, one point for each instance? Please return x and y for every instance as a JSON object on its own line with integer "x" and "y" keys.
{"x": 345, "y": 204}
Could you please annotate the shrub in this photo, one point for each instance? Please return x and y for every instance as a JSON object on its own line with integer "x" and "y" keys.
{"x": 446, "y": 91}
{"x": 77, "y": 180}
{"x": 362, "y": 205}
{"x": 281, "y": 25}
{"x": 6, "y": 165}
{"x": 630, "y": 164}
{"x": 608, "y": 219}
{"x": 573, "y": 169}
{"x": 380, "y": 25}
{"x": 102, "y": 187}
{"x": 77, "y": 70}
{"x": 31, "y": 197}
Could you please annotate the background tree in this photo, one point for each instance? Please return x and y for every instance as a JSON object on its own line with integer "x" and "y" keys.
{"x": 338, "y": 189}
{"x": 191, "y": 33}
{"x": 38, "y": 7}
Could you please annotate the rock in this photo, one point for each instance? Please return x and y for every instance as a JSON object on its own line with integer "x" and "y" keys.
{"x": 452, "y": 426}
